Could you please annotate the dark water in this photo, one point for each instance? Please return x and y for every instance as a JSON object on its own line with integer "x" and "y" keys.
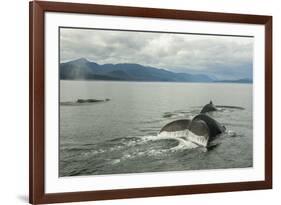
{"x": 121, "y": 135}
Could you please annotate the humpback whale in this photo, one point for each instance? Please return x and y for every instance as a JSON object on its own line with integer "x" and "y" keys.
{"x": 201, "y": 130}
{"x": 208, "y": 108}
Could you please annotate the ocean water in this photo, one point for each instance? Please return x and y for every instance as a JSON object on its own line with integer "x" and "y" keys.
{"x": 121, "y": 135}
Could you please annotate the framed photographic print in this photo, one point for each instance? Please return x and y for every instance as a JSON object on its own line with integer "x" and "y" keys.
{"x": 139, "y": 102}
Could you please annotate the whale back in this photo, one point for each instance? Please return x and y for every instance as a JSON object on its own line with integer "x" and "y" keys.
{"x": 215, "y": 127}
{"x": 177, "y": 125}
{"x": 208, "y": 108}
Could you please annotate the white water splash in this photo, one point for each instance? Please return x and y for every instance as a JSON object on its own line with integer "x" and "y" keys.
{"x": 186, "y": 135}
{"x": 200, "y": 140}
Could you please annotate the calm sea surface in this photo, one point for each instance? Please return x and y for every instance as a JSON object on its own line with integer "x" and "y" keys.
{"x": 120, "y": 135}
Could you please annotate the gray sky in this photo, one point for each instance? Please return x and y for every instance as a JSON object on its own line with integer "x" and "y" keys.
{"x": 223, "y": 57}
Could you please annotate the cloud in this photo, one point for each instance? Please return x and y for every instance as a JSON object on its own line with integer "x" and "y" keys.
{"x": 221, "y": 56}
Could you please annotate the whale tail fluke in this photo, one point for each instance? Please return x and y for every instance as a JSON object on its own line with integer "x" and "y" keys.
{"x": 175, "y": 126}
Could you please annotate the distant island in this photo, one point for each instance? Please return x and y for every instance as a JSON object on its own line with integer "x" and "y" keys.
{"x": 82, "y": 69}
{"x": 244, "y": 80}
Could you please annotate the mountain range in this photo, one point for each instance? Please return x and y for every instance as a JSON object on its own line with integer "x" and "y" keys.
{"x": 82, "y": 69}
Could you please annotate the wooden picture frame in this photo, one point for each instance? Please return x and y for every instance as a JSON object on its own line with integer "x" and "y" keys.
{"x": 37, "y": 99}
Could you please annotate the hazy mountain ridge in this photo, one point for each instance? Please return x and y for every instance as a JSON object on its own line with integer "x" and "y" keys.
{"x": 82, "y": 69}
